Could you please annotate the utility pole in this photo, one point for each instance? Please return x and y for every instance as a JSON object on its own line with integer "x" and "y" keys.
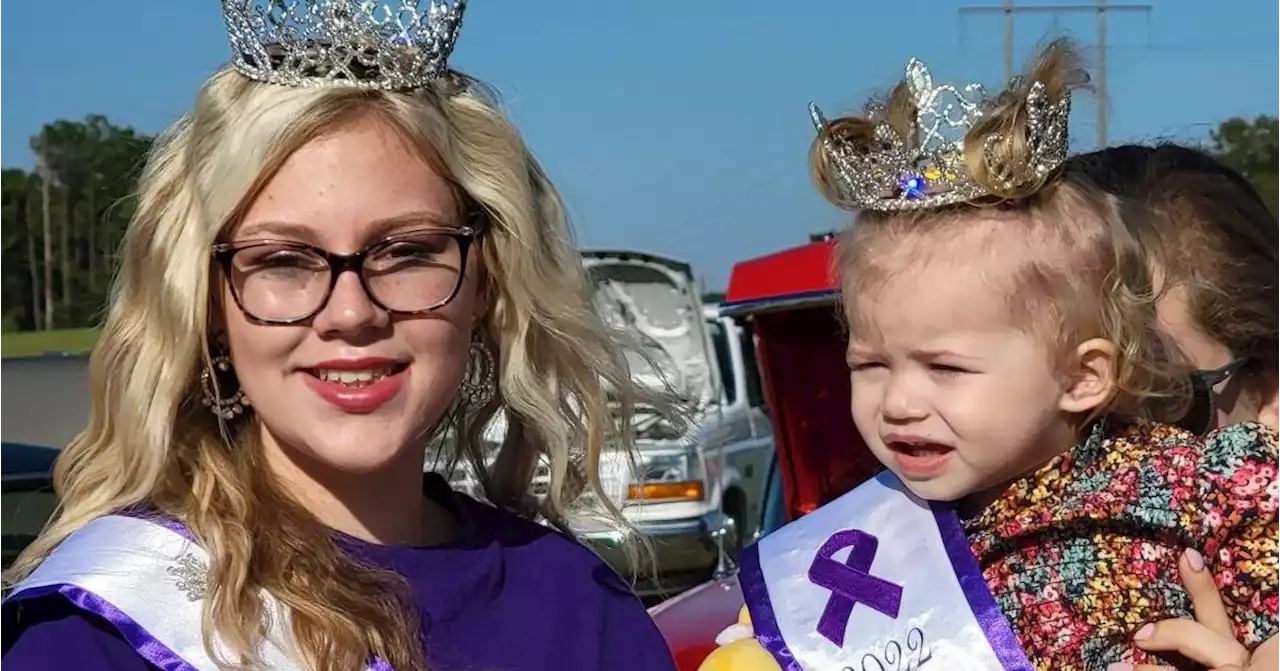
{"x": 1101, "y": 8}
{"x": 1008, "y": 39}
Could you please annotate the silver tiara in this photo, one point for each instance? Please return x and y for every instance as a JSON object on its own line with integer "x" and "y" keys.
{"x": 927, "y": 169}
{"x": 396, "y": 45}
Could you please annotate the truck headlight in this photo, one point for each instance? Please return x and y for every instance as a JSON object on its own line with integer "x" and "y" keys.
{"x": 669, "y": 476}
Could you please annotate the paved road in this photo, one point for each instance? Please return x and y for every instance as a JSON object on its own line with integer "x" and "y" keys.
{"x": 45, "y": 400}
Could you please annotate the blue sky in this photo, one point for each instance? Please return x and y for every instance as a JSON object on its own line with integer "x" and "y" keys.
{"x": 673, "y": 127}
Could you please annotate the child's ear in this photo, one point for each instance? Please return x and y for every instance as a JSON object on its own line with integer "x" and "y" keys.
{"x": 1091, "y": 380}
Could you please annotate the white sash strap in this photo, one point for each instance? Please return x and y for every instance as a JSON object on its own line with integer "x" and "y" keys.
{"x": 148, "y": 581}
{"x": 877, "y": 580}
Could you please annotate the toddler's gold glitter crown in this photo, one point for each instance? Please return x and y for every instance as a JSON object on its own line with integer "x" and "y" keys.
{"x": 927, "y": 169}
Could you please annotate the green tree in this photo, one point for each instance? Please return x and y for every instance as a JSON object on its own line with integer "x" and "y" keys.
{"x": 62, "y": 150}
{"x": 1253, "y": 149}
{"x": 74, "y": 209}
{"x": 21, "y": 232}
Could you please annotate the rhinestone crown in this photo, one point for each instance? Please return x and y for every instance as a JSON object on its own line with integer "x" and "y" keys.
{"x": 389, "y": 45}
{"x": 927, "y": 168}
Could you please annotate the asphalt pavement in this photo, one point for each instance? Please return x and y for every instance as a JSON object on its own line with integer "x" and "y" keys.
{"x": 45, "y": 400}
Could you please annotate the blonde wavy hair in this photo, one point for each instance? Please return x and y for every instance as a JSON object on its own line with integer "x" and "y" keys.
{"x": 1076, "y": 270}
{"x": 563, "y": 380}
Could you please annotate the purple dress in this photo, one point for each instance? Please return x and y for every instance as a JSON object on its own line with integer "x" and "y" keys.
{"x": 507, "y": 594}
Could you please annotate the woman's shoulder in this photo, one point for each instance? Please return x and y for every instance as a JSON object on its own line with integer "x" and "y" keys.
{"x": 1229, "y": 467}
{"x": 551, "y": 559}
{"x": 52, "y": 632}
{"x": 1238, "y": 468}
{"x": 1242, "y": 443}
{"x": 1143, "y": 439}
{"x": 533, "y": 544}
{"x": 1176, "y": 455}
{"x": 1245, "y": 446}
{"x": 553, "y": 578}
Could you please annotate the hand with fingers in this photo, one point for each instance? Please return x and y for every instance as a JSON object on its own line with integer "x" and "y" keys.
{"x": 1210, "y": 639}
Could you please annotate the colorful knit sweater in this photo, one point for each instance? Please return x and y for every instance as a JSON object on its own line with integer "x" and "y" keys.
{"x": 1084, "y": 551}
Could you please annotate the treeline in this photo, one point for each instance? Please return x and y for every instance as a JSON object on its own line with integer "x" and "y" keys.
{"x": 63, "y": 221}
{"x": 1253, "y": 148}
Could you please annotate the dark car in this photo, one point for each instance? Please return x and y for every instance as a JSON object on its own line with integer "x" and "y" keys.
{"x": 28, "y": 498}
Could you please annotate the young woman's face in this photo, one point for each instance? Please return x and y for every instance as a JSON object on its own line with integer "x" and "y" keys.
{"x": 1232, "y": 403}
{"x": 354, "y": 387}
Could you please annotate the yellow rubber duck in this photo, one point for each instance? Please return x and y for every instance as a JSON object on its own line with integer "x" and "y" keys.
{"x": 739, "y": 650}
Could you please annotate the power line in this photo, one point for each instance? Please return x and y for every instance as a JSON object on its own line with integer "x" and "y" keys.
{"x": 1102, "y": 8}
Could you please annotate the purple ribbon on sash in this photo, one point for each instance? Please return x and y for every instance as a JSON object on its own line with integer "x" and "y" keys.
{"x": 851, "y": 583}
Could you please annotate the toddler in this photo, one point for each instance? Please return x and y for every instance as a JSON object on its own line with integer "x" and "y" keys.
{"x": 1005, "y": 368}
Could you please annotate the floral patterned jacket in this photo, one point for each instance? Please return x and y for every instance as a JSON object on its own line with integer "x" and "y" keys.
{"x": 1085, "y": 550}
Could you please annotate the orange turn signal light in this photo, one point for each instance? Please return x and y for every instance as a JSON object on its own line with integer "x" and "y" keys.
{"x": 690, "y": 490}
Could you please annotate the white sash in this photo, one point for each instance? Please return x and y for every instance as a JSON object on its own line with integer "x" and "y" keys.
{"x": 877, "y": 580}
{"x": 148, "y": 581}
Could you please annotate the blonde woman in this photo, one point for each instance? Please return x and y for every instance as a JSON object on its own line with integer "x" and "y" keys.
{"x": 342, "y": 250}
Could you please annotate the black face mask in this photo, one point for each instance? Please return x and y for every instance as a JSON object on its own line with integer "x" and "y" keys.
{"x": 1203, "y": 414}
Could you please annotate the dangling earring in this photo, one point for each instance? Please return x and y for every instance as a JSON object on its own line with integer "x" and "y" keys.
{"x": 224, "y": 408}
{"x": 479, "y": 383}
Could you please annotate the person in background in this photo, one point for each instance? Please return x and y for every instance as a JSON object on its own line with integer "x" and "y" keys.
{"x": 1213, "y": 243}
{"x": 341, "y": 252}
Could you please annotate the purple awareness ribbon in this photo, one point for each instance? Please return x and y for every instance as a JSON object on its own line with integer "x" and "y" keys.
{"x": 851, "y": 582}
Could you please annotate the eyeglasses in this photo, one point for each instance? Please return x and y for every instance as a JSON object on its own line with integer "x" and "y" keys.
{"x": 1203, "y": 414}
{"x": 286, "y": 282}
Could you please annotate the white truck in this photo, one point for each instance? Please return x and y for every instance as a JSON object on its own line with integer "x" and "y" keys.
{"x": 697, "y": 494}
